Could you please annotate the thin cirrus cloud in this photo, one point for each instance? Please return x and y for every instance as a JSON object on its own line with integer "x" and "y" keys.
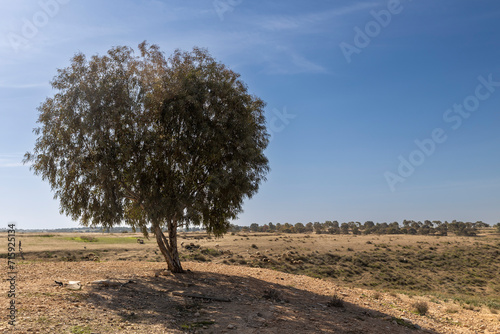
{"x": 286, "y": 59}
{"x": 280, "y": 23}
{"x": 23, "y": 85}
{"x": 293, "y": 63}
{"x": 11, "y": 160}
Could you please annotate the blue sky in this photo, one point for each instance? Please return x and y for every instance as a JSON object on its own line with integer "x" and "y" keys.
{"x": 350, "y": 87}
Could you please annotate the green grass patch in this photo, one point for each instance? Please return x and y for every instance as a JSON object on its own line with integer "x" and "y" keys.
{"x": 83, "y": 239}
{"x": 80, "y": 330}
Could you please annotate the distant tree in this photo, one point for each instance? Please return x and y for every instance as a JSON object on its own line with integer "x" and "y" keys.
{"x": 335, "y": 230}
{"x": 480, "y": 224}
{"x": 412, "y": 231}
{"x": 272, "y": 227}
{"x": 327, "y": 224}
{"x": 424, "y": 230}
{"x": 156, "y": 143}
{"x": 393, "y": 228}
{"x": 288, "y": 228}
{"x": 355, "y": 230}
{"x": 234, "y": 228}
{"x": 318, "y": 227}
{"x": 462, "y": 229}
{"x": 309, "y": 227}
{"x": 299, "y": 228}
{"x": 442, "y": 229}
{"x": 344, "y": 228}
{"x": 368, "y": 224}
{"x": 416, "y": 225}
{"x": 254, "y": 227}
{"x": 498, "y": 227}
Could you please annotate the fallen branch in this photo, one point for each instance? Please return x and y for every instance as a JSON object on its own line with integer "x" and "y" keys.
{"x": 192, "y": 295}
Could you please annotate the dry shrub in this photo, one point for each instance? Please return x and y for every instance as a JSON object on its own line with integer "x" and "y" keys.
{"x": 421, "y": 307}
{"x": 335, "y": 301}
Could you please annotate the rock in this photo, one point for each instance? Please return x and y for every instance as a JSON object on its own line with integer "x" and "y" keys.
{"x": 231, "y": 326}
{"x": 74, "y": 285}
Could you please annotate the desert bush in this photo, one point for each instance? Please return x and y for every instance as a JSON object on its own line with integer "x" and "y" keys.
{"x": 199, "y": 257}
{"x": 335, "y": 301}
{"x": 421, "y": 308}
{"x": 273, "y": 295}
{"x": 210, "y": 251}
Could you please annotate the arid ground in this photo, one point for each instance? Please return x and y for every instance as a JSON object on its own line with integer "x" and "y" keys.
{"x": 257, "y": 283}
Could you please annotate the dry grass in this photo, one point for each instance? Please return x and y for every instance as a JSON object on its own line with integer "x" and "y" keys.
{"x": 463, "y": 269}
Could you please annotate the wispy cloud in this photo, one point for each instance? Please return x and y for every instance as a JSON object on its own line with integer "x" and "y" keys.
{"x": 303, "y": 64}
{"x": 277, "y": 23}
{"x": 23, "y": 86}
{"x": 293, "y": 63}
{"x": 11, "y": 160}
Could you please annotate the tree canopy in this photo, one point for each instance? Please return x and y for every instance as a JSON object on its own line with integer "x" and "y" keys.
{"x": 152, "y": 142}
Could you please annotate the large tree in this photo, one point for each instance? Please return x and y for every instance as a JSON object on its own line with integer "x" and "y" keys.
{"x": 152, "y": 142}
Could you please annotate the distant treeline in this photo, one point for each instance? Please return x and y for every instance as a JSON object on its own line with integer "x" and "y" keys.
{"x": 117, "y": 229}
{"x": 427, "y": 227}
{"x": 435, "y": 227}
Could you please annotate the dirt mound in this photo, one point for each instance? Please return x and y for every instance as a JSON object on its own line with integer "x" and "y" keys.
{"x": 139, "y": 297}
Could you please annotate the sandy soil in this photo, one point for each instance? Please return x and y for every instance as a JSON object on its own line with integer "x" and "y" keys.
{"x": 141, "y": 299}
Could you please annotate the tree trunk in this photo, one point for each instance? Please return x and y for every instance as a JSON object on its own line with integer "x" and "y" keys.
{"x": 168, "y": 247}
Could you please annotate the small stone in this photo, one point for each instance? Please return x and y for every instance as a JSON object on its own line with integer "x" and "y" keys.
{"x": 230, "y": 326}
{"x": 197, "y": 314}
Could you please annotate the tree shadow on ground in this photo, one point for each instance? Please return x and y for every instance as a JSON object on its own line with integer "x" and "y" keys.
{"x": 255, "y": 306}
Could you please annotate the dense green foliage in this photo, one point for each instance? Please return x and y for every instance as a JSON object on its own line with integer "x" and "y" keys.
{"x": 156, "y": 143}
